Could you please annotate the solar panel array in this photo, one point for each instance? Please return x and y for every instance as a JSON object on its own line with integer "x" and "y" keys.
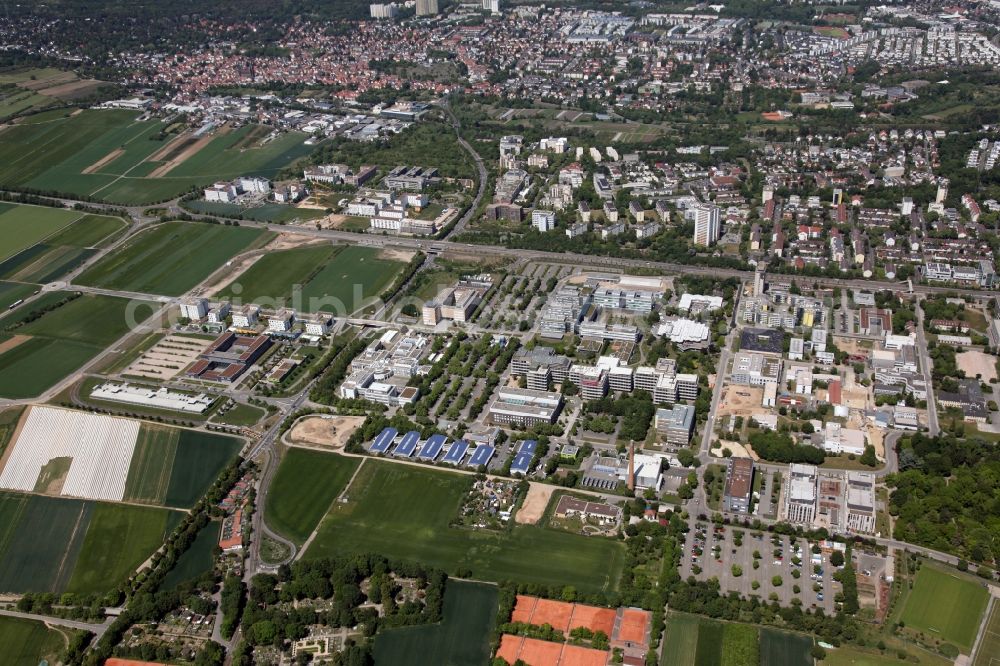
{"x": 432, "y": 447}
{"x": 408, "y": 445}
{"x": 456, "y": 453}
{"x": 383, "y": 441}
{"x": 481, "y": 456}
{"x": 528, "y": 446}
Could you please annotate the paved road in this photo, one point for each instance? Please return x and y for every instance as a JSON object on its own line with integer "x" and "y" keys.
{"x": 97, "y": 629}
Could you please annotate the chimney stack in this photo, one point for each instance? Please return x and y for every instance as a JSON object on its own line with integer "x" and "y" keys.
{"x": 631, "y": 467}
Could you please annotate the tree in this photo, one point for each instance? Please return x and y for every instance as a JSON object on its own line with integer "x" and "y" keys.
{"x": 837, "y": 559}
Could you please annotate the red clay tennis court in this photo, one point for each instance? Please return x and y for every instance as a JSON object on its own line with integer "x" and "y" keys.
{"x": 523, "y": 609}
{"x": 632, "y": 628}
{"x": 535, "y": 652}
{"x": 553, "y": 613}
{"x": 594, "y": 618}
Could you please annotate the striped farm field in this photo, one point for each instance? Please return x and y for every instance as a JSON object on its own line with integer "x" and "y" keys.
{"x": 23, "y": 226}
{"x": 152, "y": 464}
{"x": 169, "y": 258}
{"x": 60, "y": 332}
{"x": 50, "y": 544}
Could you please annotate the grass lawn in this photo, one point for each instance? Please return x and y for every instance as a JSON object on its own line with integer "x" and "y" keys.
{"x": 304, "y": 487}
{"x": 22, "y": 226}
{"x": 27, "y": 643}
{"x": 119, "y": 539}
{"x": 241, "y": 415}
{"x": 404, "y": 512}
{"x": 462, "y": 638}
{"x": 853, "y": 656}
{"x": 61, "y": 341}
{"x": 335, "y": 279}
{"x": 946, "y": 606}
{"x": 170, "y": 258}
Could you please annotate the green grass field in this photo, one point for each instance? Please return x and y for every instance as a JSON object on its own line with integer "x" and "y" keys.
{"x": 989, "y": 647}
{"x": 694, "y": 641}
{"x": 334, "y": 279}
{"x": 303, "y": 489}
{"x": 61, "y": 340}
{"x": 854, "y": 656}
{"x": 119, "y": 539}
{"x": 461, "y": 639}
{"x": 114, "y": 149}
{"x": 27, "y": 643}
{"x": 12, "y": 292}
{"x": 23, "y": 226}
{"x": 946, "y": 606}
{"x": 196, "y": 560}
{"x": 170, "y": 258}
{"x": 680, "y": 644}
{"x": 404, "y": 512}
{"x": 782, "y": 648}
{"x": 241, "y": 415}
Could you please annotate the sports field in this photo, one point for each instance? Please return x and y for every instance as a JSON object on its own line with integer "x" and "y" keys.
{"x": 336, "y": 279}
{"x": 27, "y": 643}
{"x": 946, "y": 606}
{"x": 170, "y": 258}
{"x": 988, "y": 653}
{"x": 52, "y": 544}
{"x": 303, "y": 489}
{"x": 461, "y": 638}
{"x": 109, "y": 154}
{"x": 405, "y": 512}
{"x": 854, "y": 656}
{"x": 174, "y": 467}
{"x": 61, "y": 340}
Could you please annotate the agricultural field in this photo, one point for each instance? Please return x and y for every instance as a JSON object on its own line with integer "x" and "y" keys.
{"x": 946, "y": 606}
{"x": 12, "y": 292}
{"x": 303, "y": 489}
{"x": 170, "y": 258}
{"x": 461, "y": 638}
{"x": 50, "y": 544}
{"x": 405, "y": 512}
{"x": 174, "y": 467}
{"x": 695, "y": 641}
{"x": 22, "y": 226}
{"x": 39, "y": 351}
{"x": 336, "y": 279}
{"x": 110, "y": 155}
{"x": 197, "y": 559}
{"x": 27, "y": 642}
{"x": 988, "y": 653}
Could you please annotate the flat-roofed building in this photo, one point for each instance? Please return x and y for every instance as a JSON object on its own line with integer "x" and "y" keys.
{"x": 457, "y": 304}
{"x": 676, "y": 424}
{"x": 800, "y": 495}
{"x": 525, "y": 407}
{"x": 739, "y": 485}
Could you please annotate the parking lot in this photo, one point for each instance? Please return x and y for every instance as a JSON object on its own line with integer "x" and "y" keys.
{"x": 716, "y": 549}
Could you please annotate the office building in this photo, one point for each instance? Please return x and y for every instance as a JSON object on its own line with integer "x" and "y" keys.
{"x": 676, "y": 424}
{"x": 427, "y": 7}
{"x": 739, "y": 485}
{"x": 525, "y": 407}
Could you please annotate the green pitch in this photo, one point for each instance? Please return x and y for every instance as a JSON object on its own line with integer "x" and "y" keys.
{"x": 303, "y": 489}
{"x": 27, "y": 643}
{"x": 945, "y": 605}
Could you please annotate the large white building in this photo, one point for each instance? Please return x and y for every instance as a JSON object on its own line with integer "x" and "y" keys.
{"x": 706, "y": 224}
{"x": 427, "y": 7}
{"x": 543, "y": 220}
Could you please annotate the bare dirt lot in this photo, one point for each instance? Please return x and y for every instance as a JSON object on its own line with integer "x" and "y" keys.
{"x": 534, "y": 505}
{"x": 395, "y": 255}
{"x": 741, "y": 401}
{"x": 324, "y": 431}
{"x": 104, "y": 161}
{"x": 977, "y": 363}
{"x": 12, "y": 342}
{"x": 73, "y": 89}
